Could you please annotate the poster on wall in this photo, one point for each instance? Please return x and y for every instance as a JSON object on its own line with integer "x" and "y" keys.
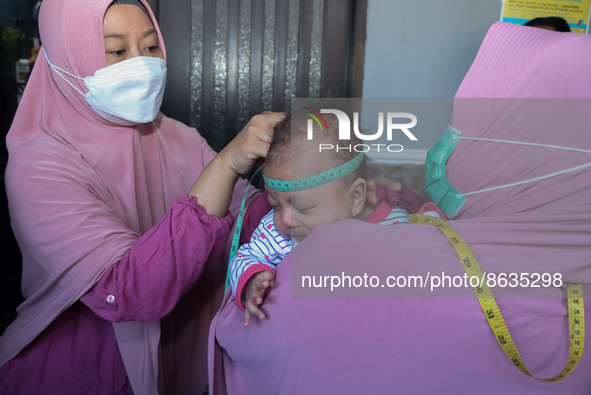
{"x": 575, "y": 12}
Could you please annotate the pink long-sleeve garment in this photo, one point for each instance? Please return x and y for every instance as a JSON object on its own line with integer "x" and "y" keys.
{"x": 526, "y": 84}
{"x": 78, "y": 352}
{"x": 100, "y": 215}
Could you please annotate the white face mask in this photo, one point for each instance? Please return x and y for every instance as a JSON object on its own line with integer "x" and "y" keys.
{"x": 126, "y": 93}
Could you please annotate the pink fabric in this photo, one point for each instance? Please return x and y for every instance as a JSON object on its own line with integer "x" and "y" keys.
{"x": 380, "y": 214}
{"x": 403, "y": 340}
{"x": 257, "y": 210}
{"x": 130, "y": 289}
{"x": 39, "y": 369}
{"x": 430, "y": 206}
{"x": 81, "y": 193}
{"x": 405, "y": 199}
{"x": 133, "y": 288}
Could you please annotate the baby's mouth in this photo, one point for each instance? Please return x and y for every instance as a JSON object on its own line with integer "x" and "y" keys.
{"x": 299, "y": 236}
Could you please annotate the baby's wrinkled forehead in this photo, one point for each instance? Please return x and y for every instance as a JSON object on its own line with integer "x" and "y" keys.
{"x": 293, "y": 146}
{"x": 297, "y": 161}
{"x": 297, "y": 146}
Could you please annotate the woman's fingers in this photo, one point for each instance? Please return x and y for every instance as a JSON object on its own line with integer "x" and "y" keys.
{"x": 252, "y": 142}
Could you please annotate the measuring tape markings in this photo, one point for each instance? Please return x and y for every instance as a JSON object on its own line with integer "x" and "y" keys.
{"x": 576, "y": 312}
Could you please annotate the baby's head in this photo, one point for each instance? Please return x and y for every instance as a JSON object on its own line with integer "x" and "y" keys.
{"x": 292, "y": 157}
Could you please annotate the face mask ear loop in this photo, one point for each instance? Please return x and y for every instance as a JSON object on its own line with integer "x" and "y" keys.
{"x": 584, "y": 151}
{"x": 57, "y": 71}
{"x": 558, "y": 173}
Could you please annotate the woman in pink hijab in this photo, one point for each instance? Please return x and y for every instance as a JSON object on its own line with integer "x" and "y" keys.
{"x": 121, "y": 213}
{"x": 517, "y": 189}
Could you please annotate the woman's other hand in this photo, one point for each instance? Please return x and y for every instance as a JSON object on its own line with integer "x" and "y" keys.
{"x": 372, "y": 183}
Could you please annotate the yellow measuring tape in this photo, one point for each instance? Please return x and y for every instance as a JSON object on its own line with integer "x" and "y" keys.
{"x": 576, "y": 310}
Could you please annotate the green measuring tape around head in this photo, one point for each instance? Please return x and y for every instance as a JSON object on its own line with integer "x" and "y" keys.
{"x": 317, "y": 179}
{"x": 576, "y": 309}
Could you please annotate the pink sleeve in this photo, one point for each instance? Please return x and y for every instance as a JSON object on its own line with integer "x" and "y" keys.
{"x": 431, "y": 207}
{"x": 256, "y": 211}
{"x": 405, "y": 199}
{"x": 151, "y": 277}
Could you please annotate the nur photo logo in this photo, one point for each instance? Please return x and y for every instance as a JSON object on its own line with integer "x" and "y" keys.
{"x": 394, "y": 124}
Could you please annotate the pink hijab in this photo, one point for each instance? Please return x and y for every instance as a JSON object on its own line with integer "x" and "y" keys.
{"x": 525, "y": 84}
{"x": 137, "y": 173}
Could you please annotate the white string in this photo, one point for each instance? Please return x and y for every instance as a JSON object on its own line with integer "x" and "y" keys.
{"x": 526, "y": 181}
{"x": 524, "y": 143}
{"x": 57, "y": 69}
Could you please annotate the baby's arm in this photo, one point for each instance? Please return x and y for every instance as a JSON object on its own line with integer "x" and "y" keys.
{"x": 254, "y": 293}
{"x": 267, "y": 247}
{"x": 247, "y": 263}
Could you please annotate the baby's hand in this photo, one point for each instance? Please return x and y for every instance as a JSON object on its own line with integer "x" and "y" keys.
{"x": 254, "y": 292}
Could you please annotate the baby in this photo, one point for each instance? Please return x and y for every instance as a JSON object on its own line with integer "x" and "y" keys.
{"x": 305, "y": 188}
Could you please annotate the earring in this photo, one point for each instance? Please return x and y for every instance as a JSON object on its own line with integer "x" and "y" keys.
{"x": 353, "y": 213}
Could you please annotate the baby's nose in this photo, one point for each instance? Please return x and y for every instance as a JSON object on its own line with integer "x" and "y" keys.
{"x": 286, "y": 218}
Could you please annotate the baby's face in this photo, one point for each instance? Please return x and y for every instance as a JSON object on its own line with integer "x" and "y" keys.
{"x": 297, "y": 213}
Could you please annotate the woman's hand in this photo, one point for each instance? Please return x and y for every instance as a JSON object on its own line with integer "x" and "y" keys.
{"x": 372, "y": 183}
{"x": 252, "y": 143}
{"x": 214, "y": 186}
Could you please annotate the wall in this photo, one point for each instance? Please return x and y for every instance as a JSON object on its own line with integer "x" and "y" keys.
{"x": 423, "y": 49}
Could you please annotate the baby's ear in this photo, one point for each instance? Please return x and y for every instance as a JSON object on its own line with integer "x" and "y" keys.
{"x": 357, "y": 193}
